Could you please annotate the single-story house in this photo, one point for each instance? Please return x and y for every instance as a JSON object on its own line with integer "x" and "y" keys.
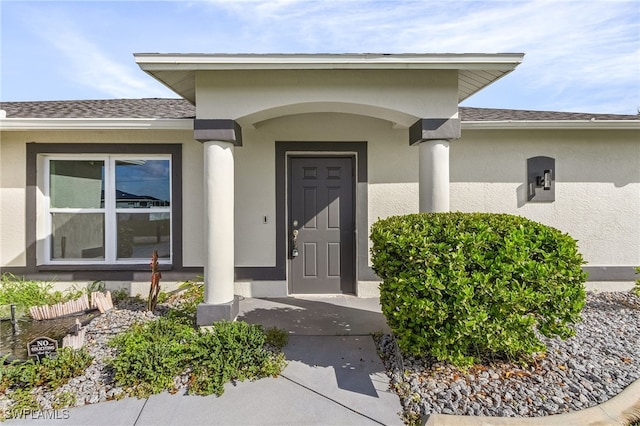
{"x": 267, "y": 172}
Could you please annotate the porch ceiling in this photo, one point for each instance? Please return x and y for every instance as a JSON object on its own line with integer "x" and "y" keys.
{"x": 475, "y": 71}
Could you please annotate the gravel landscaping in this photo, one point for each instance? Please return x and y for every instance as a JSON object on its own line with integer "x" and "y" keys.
{"x": 96, "y": 385}
{"x": 593, "y": 366}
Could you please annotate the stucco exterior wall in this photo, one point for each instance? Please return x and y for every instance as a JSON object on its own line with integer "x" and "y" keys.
{"x": 12, "y": 200}
{"x": 597, "y": 181}
{"x": 254, "y": 200}
{"x": 597, "y": 199}
{"x": 397, "y": 95}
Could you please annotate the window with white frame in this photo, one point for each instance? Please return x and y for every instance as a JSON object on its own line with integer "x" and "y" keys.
{"x": 108, "y": 209}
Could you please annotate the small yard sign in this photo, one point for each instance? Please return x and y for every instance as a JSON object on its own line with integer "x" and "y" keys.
{"x": 41, "y": 347}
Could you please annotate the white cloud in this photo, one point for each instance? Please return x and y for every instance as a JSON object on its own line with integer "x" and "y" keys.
{"x": 87, "y": 64}
{"x": 578, "y": 54}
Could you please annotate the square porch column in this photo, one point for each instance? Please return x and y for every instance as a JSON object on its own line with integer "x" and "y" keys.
{"x": 219, "y": 138}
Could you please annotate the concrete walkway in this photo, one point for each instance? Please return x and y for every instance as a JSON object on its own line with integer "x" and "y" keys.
{"x": 333, "y": 376}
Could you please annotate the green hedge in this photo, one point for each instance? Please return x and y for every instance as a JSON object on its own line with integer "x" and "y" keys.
{"x": 457, "y": 286}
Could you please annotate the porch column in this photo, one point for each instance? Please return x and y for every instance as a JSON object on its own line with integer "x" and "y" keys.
{"x": 219, "y": 138}
{"x": 433, "y": 136}
{"x": 434, "y": 176}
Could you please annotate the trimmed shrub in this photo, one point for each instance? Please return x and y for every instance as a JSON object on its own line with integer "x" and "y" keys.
{"x": 461, "y": 285}
{"x": 151, "y": 355}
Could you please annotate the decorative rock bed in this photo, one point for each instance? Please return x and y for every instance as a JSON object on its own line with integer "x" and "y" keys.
{"x": 583, "y": 371}
{"x": 593, "y": 366}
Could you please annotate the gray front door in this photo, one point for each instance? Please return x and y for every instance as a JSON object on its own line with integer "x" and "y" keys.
{"x": 321, "y": 211}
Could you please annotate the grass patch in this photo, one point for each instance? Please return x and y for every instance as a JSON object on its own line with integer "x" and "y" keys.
{"x": 25, "y": 293}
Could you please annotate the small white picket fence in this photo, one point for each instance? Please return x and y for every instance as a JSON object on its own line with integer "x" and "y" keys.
{"x": 99, "y": 300}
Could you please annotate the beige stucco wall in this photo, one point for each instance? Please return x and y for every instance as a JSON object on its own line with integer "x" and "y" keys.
{"x": 597, "y": 199}
{"x": 12, "y": 201}
{"x": 392, "y": 174}
{"x": 397, "y": 95}
{"x": 597, "y": 181}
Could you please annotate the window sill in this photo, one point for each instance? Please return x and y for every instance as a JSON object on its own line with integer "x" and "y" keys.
{"x": 85, "y": 267}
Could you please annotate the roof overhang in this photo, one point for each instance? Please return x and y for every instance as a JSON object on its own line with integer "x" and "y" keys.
{"x": 475, "y": 71}
{"x": 35, "y": 124}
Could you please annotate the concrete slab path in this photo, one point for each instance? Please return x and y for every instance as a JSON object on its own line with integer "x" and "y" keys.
{"x": 317, "y": 315}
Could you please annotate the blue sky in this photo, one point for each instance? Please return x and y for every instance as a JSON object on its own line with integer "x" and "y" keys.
{"x": 580, "y": 55}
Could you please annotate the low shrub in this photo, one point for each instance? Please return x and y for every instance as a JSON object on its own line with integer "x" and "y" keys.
{"x": 22, "y": 401}
{"x": 230, "y": 351}
{"x": 457, "y": 286}
{"x": 50, "y": 372}
{"x": 151, "y": 355}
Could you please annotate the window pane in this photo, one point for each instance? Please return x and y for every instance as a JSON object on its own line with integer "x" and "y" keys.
{"x": 142, "y": 183}
{"x": 139, "y": 234}
{"x": 76, "y": 184}
{"x": 77, "y": 236}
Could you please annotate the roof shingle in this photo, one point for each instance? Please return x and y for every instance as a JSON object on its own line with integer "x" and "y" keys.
{"x": 105, "y": 108}
{"x": 181, "y": 108}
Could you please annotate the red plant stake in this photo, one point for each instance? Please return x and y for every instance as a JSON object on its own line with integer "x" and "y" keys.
{"x": 154, "y": 290}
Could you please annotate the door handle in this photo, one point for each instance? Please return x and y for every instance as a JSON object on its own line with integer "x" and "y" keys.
{"x": 294, "y": 239}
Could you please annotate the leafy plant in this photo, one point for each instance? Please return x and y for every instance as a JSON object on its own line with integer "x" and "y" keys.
{"x": 163, "y": 296}
{"x": 230, "y": 351}
{"x": 151, "y": 355}
{"x": 119, "y": 295}
{"x": 50, "y": 372}
{"x": 276, "y": 337}
{"x": 17, "y": 374}
{"x": 636, "y": 288}
{"x": 23, "y": 401}
{"x": 460, "y": 285}
{"x": 95, "y": 286}
{"x": 64, "y": 399}
{"x": 68, "y": 363}
{"x": 192, "y": 295}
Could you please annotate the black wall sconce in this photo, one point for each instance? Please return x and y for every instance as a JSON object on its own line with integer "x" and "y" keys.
{"x": 541, "y": 179}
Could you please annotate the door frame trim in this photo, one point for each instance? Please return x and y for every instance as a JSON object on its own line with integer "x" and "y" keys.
{"x": 352, "y": 156}
{"x": 363, "y": 271}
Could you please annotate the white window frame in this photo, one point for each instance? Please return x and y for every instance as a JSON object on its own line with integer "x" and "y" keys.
{"x": 110, "y": 210}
